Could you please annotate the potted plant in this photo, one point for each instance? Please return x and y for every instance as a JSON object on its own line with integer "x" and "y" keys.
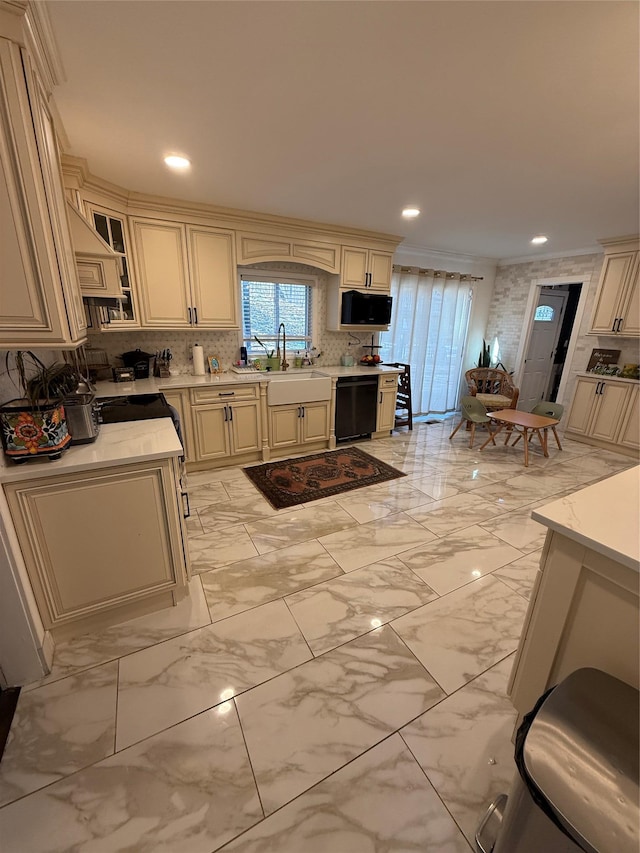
{"x": 35, "y": 424}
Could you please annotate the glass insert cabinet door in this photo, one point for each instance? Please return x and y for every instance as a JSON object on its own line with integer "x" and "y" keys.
{"x": 112, "y": 229}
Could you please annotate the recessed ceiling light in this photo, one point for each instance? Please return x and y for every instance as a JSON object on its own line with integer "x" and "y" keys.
{"x": 538, "y": 241}
{"x": 175, "y": 162}
{"x": 411, "y": 212}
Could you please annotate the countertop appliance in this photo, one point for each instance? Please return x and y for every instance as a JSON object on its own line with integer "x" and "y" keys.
{"x": 81, "y": 414}
{"x": 365, "y": 309}
{"x": 356, "y": 406}
{"x": 133, "y": 407}
{"x": 139, "y": 361}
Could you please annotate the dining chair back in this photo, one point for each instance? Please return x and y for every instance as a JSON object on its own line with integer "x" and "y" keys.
{"x": 546, "y": 409}
{"x": 473, "y": 413}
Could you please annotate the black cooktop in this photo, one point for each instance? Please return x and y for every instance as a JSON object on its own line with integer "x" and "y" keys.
{"x": 133, "y": 407}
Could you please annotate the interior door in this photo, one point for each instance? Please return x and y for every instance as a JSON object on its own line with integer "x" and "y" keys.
{"x": 542, "y": 346}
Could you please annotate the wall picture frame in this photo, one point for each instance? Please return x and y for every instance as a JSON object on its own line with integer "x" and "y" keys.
{"x": 214, "y": 364}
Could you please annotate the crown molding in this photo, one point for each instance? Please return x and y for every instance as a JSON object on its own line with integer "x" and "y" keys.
{"x": 550, "y": 256}
{"x": 42, "y": 45}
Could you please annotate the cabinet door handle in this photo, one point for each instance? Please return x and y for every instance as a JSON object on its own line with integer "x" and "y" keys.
{"x": 613, "y": 328}
{"x": 190, "y": 320}
{"x": 302, "y": 407}
{"x": 380, "y": 400}
{"x": 299, "y": 411}
{"x": 195, "y": 316}
{"x": 230, "y": 413}
{"x": 619, "y": 326}
{"x": 225, "y": 414}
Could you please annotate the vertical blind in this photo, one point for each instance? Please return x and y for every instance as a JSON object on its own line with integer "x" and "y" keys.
{"x": 428, "y": 331}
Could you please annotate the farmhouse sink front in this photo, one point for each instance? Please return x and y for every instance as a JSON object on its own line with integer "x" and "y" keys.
{"x": 294, "y": 388}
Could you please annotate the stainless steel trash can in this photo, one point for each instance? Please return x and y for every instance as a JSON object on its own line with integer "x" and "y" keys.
{"x": 577, "y": 754}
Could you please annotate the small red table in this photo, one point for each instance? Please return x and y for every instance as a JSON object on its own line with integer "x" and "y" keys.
{"x": 524, "y": 423}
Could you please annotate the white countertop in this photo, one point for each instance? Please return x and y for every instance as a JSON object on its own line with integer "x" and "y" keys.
{"x": 603, "y": 517}
{"x": 154, "y": 384}
{"x": 592, "y": 375}
{"x": 117, "y": 444}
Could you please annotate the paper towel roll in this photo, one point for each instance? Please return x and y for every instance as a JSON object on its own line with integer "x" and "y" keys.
{"x": 198, "y": 360}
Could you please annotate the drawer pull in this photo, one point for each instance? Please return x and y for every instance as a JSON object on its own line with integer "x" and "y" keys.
{"x": 226, "y": 393}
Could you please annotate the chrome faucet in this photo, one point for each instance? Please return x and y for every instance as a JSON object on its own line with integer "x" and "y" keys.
{"x": 283, "y": 361}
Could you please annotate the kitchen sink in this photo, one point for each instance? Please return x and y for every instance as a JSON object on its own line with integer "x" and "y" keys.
{"x": 296, "y": 388}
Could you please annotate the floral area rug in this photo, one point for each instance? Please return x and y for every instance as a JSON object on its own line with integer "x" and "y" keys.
{"x": 295, "y": 481}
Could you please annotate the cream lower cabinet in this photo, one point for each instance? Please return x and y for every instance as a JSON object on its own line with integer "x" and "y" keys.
{"x": 387, "y": 391}
{"x": 290, "y": 426}
{"x": 603, "y": 413}
{"x": 101, "y": 546}
{"x": 186, "y": 275}
{"x": 583, "y": 612}
{"x": 180, "y": 401}
{"x": 225, "y": 422}
{"x": 40, "y": 304}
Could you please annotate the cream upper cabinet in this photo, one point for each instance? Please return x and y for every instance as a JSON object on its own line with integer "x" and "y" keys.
{"x": 254, "y": 248}
{"x": 186, "y": 275}
{"x": 365, "y": 269}
{"x": 617, "y": 304}
{"x": 214, "y": 279}
{"x": 40, "y": 302}
{"x": 603, "y": 412}
{"x": 161, "y": 272}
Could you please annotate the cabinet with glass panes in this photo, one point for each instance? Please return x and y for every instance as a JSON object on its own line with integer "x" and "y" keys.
{"x": 112, "y": 227}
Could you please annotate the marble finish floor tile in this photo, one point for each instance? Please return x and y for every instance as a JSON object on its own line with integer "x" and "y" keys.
{"x": 521, "y": 574}
{"x": 299, "y": 525}
{"x": 382, "y": 500}
{"x": 309, "y": 722}
{"x": 460, "y": 635}
{"x": 220, "y": 548}
{"x": 163, "y": 685}
{"x": 456, "y": 513}
{"x": 261, "y": 579}
{"x": 332, "y": 613}
{"x": 206, "y": 494}
{"x": 517, "y": 528}
{"x": 375, "y": 541}
{"x": 216, "y": 517}
{"x": 58, "y": 729}
{"x": 189, "y": 789}
{"x": 193, "y": 524}
{"x": 464, "y": 746}
{"x": 131, "y": 636}
{"x": 459, "y": 558}
{"x": 380, "y": 802}
{"x": 520, "y": 491}
{"x": 436, "y": 485}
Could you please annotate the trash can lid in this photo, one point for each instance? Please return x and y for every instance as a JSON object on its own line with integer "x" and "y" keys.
{"x": 581, "y": 751}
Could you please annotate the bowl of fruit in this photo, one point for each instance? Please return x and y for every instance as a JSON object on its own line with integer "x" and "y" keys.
{"x": 370, "y": 360}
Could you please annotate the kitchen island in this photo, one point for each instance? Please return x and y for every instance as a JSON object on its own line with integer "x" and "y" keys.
{"x": 101, "y": 530}
{"x": 584, "y": 605}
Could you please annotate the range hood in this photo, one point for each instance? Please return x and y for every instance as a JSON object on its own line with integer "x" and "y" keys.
{"x": 99, "y": 266}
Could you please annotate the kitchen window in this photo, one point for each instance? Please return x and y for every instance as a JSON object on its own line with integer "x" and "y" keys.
{"x": 267, "y": 301}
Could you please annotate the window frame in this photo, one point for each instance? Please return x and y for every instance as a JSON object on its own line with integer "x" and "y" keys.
{"x": 276, "y": 277}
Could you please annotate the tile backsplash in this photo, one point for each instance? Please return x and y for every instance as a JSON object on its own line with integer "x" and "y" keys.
{"x": 226, "y": 345}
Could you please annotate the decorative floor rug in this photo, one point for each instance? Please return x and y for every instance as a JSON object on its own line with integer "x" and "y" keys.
{"x": 295, "y": 481}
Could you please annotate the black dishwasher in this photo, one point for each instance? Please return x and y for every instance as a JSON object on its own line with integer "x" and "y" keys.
{"x": 356, "y": 406}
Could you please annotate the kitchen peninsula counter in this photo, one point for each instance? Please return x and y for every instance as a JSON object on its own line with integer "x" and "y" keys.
{"x": 584, "y": 605}
{"x": 116, "y": 444}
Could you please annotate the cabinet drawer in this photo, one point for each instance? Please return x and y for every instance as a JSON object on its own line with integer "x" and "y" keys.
{"x": 221, "y": 393}
{"x": 388, "y": 381}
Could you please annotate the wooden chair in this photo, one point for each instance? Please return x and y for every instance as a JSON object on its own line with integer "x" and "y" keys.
{"x": 473, "y": 413}
{"x": 492, "y": 387}
{"x": 404, "y": 412}
{"x": 547, "y": 410}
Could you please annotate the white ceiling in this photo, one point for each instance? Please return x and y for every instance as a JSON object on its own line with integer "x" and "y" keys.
{"x": 500, "y": 120}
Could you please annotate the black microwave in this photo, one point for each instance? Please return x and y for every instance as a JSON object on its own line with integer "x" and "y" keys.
{"x": 365, "y": 309}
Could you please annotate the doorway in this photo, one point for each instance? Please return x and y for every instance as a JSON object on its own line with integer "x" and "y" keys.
{"x": 543, "y": 340}
{"x": 552, "y": 322}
